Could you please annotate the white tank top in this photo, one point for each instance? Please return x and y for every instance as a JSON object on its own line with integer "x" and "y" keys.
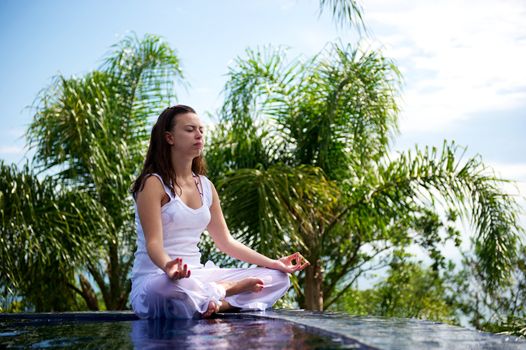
{"x": 182, "y": 228}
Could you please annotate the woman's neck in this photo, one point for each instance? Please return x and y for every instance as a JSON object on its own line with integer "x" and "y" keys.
{"x": 182, "y": 167}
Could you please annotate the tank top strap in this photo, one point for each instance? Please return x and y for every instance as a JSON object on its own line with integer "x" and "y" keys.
{"x": 166, "y": 188}
{"x": 207, "y": 190}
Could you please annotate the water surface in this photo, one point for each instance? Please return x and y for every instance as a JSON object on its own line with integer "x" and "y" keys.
{"x": 401, "y": 334}
{"x": 271, "y": 329}
{"x": 219, "y": 333}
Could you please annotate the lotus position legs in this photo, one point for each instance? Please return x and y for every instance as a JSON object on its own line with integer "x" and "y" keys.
{"x": 249, "y": 284}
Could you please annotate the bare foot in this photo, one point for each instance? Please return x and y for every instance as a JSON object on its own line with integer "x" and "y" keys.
{"x": 249, "y": 284}
{"x": 212, "y": 308}
{"x": 225, "y": 306}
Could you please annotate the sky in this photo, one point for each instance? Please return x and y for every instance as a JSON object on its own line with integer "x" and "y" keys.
{"x": 462, "y": 62}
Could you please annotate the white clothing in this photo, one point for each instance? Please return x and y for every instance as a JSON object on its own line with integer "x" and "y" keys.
{"x": 154, "y": 295}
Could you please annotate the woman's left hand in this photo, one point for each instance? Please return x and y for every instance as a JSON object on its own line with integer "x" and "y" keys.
{"x": 292, "y": 263}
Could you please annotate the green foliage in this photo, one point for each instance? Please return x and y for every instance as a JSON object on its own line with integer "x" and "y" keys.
{"x": 344, "y": 12}
{"x": 408, "y": 291}
{"x": 334, "y": 111}
{"x": 46, "y": 233}
{"x": 499, "y": 309}
{"x": 283, "y": 204}
{"x": 469, "y": 187}
{"x": 89, "y": 135}
{"x": 337, "y": 113}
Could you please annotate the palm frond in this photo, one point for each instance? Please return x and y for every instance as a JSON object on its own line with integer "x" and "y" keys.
{"x": 147, "y": 70}
{"x": 470, "y": 187}
{"x": 279, "y": 209}
{"x": 344, "y": 12}
{"x": 46, "y": 233}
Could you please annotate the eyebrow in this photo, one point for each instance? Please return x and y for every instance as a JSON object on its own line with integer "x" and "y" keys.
{"x": 193, "y": 125}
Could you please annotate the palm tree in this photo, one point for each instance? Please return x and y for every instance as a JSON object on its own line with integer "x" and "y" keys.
{"x": 301, "y": 156}
{"x": 47, "y": 232}
{"x": 344, "y": 12}
{"x": 90, "y": 135}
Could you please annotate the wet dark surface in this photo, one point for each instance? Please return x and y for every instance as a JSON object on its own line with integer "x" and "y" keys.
{"x": 228, "y": 332}
{"x": 272, "y": 329}
{"x": 401, "y": 334}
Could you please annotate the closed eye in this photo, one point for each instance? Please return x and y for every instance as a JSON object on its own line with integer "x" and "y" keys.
{"x": 191, "y": 128}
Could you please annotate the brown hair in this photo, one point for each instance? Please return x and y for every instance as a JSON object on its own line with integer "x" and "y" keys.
{"x": 158, "y": 158}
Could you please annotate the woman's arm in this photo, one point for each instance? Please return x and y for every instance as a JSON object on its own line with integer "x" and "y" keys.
{"x": 226, "y": 243}
{"x": 149, "y": 210}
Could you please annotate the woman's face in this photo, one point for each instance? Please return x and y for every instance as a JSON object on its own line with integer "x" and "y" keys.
{"x": 186, "y": 136}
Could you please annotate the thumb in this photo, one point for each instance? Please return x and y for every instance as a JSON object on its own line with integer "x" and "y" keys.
{"x": 171, "y": 263}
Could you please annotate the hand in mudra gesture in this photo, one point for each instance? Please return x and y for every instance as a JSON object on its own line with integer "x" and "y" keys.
{"x": 292, "y": 263}
{"x": 175, "y": 269}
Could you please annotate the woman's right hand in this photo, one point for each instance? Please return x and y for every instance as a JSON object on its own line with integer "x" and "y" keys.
{"x": 292, "y": 263}
{"x": 176, "y": 270}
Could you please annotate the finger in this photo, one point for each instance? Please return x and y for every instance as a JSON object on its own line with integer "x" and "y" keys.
{"x": 179, "y": 274}
{"x": 171, "y": 263}
{"x": 188, "y": 274}
{"x": 299, "y": 258}
{"x": 297, "y": 267}
{"x": 185, "y": 270}
{"x": 303, "y": 262}
{"x": 180, "y": 264}
{"x": 306, "y": 264}
{"x": 291, "y": 257}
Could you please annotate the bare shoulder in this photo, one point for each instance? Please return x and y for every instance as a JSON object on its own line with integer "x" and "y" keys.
{"x": 215, "y": 196}
{"x": 212, "y": 186}
{"x": 153, "y": 188}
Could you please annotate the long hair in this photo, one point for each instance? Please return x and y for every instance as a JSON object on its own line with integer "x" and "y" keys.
{"x": 158, "y": 158}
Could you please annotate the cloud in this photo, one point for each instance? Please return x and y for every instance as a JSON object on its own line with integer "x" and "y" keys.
{"x": 458, "y": 58}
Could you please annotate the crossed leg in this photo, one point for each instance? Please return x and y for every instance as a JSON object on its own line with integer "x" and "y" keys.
{"x": 249, "y": 284}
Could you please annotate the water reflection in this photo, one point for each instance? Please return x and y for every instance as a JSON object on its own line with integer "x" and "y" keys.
{"x": 401, "y": 334}
{"x": 220, "y": 333}
{"x": 227, "y": 333}
{"x": 181, "y": 333}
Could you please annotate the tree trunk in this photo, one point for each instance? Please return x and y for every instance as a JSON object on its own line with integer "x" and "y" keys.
{"x": 114, "y": 277}
{"x": 314, "y": 287}
{"x": 88, "y": 294}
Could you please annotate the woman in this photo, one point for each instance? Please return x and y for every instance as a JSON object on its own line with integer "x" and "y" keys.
{"x": 175, "y": 203}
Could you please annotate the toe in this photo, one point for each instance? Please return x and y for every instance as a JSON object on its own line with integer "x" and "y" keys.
{"x": 210, "y": 310}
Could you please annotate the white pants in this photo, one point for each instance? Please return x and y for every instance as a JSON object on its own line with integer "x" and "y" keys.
{"x": 156, "y": 296}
